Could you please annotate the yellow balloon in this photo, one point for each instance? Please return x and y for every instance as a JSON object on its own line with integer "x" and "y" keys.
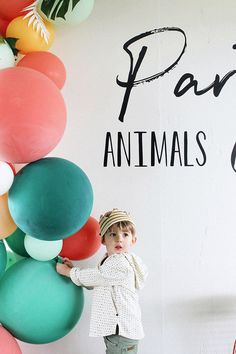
{"x": 29, "y": 39}
{"x": 7, "y": 225}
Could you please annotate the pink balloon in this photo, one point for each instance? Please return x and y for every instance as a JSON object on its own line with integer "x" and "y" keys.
{"x": 32, "y": 115}
{"x": 48, "y": 64}
{"x": 8, "y": 344}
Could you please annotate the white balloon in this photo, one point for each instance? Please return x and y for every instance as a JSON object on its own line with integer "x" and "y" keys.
{"x": 42, "y": 250}
{"x": 6, "y": 177}
{"x": 7, "y": 58}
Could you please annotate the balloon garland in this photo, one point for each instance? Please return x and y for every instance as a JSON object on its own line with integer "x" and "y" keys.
{"x": 45, "y": 207}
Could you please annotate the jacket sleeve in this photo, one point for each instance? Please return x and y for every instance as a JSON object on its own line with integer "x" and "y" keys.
{"x": 112, "y": 272}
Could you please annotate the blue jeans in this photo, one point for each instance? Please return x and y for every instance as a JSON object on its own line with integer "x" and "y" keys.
{"x": 116, "y": 344}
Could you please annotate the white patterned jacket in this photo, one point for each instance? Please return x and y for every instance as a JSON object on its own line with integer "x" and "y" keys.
{"x": 115, "y": 298}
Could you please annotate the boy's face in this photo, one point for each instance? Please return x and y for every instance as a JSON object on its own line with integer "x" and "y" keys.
{"x": 118, "y": 240}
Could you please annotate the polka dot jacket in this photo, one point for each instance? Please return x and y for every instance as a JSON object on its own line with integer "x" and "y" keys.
{"x": 115, "y": 299}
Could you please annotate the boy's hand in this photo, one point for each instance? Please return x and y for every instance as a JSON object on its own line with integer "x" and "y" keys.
{"x": 67, "y": 262}
{"x": 63, "y": 269}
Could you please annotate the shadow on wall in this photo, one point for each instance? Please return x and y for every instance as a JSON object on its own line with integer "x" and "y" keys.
{"x": 210, "y": 322}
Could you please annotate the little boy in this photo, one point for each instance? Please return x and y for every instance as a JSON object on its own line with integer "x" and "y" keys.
{"x": 116, "y": 314}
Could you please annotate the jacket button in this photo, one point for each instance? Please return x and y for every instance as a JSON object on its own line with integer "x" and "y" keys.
{"x": 117, "y": 314}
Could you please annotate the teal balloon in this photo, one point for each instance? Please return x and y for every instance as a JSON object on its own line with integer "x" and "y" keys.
{"x": 71, "y": 16}
{"x": 3, "y": 258}
{"x": 16, "y": 242}
{"x": 50, "y": 199}
{"x": 12, "y": 258}
{"x": 37, "y": 304}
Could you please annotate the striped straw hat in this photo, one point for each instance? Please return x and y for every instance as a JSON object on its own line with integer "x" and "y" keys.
{"x": 112, "y": 218}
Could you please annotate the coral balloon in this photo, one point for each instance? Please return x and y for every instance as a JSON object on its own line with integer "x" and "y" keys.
{"x": 50, "y": 199}
{"x": 37, "y": 304}
{"x": 72, "y": 16}
{"x": 16, "y": 242}
{"x": 42, "y": 250}
{"x": 7, "y": 225}
{"x": 29, "y": 38}
{"x": 84, "y": 243}
{"x": 8, "y": 344}
{"x": 10, "y": 9}
{"x": 3, "y": 26}
{"x": 7, "y": 58}
{"x": 3, "y": 260}
{"x": 48, "y": 64}
{"x": 32, "y": 115}
{"x": 6, "y": 177}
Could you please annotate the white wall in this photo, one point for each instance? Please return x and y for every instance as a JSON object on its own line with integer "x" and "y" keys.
{"x": 185, "y": 216}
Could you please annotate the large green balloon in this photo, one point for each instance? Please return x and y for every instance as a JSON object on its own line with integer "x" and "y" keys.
{"x": 37, "y": 304}
{"x": 16, "y": 242}
{"x": 50, "y": 199}
{"x": 3, "y": 258}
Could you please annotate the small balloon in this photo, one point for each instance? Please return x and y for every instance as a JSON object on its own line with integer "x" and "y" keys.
{"x": 6, "y": 177}
{"x": 84, "y": 243}
{"x": 48, "y": 64}
{"x": 8, "y": 344}
{"x": 29, "y": 38}
{"x": 7, "y": 224}
{"x": 3, "y": 258}
{"x": 7, "y": 58}
{"x": 12, "y": 167}
{"x": 42, "y": 250}
{"x": 12, "y": 258}
{"x": 16, "y": 242}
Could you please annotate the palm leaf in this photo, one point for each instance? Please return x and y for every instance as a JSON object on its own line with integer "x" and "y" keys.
{"x": 74, "y": 3}
{"x": 47, "y": 6}
{"x": 12, "y": 44}
{"x": 59, "y": 10}
{"x": 36, "y": 20}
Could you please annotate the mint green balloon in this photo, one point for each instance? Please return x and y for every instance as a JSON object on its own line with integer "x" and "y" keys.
{"x": 37, "y": 304}
{"x": 73, "y": 16}
{"x": 16, "y": 242}
{"x": 42, "y": 250}
{"x": 3, "y": 258}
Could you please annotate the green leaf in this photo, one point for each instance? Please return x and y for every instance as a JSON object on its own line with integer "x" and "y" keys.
{"x": 54, "y": 14}
{"x": 46, "y": 6}
{"x": 60, "y": 10}
{"x": 63, "y": 9}
{"x": 12, "y": 43}
{"x": 74, "y": 3}
{"x": 2, "y": 40}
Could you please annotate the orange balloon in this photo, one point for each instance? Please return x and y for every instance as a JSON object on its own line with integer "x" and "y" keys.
{"x": 29, "y": 40}
{"x": 7, "y": 225}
